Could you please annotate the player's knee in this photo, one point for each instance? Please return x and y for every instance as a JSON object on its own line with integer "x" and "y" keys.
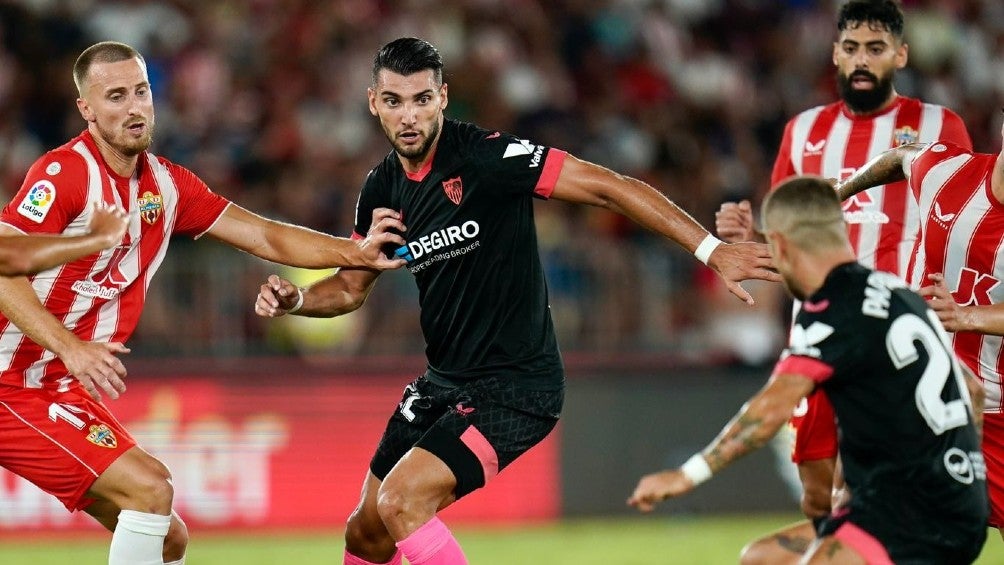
{"x": 367, "y": 538}
{"x": 150, "y": 489}
{"x": 176, "y": 542}
{"x": 393, "y": 503}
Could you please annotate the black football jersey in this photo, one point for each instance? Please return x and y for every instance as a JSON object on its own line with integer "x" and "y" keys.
{"x": 472, "y": 248}
{"x": 906, "y": 435}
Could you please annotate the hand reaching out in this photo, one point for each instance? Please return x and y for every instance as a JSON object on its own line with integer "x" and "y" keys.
{"x": 97, "y": 367}
{"x": 381, "y": 235}
{"x": 656, "y": 487}
{"x": 108, "y": 222}
{"x": 736, "y": 262}
{"x": 276, "y": 297}
{"x": 734, "y": 222}
{"x": 955, "y": 318}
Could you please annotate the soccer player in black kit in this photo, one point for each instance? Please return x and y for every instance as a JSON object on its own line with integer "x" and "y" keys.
{"x": 907, "y": 433}
{"x": 493, "y": 386}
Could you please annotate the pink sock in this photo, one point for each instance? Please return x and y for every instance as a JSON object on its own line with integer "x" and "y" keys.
{"x": 432, "y": 544}
{"x": 350, "y": 559}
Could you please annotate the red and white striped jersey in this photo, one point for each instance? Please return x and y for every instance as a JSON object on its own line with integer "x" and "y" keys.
{"x": 962, "y": 236}
{"x": 831, "y": 142}
{"x": 99, "y": 297}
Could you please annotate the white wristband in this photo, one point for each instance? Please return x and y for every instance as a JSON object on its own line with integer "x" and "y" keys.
{"x": 704, "y": 250}
{"x": 696, "y": 469}
{"x": 299, "y": 301}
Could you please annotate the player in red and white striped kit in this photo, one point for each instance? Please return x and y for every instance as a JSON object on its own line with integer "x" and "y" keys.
{"x": 959, "y": 266}
{"x": 832, "y": 141}
{"x": 62, "y": 329}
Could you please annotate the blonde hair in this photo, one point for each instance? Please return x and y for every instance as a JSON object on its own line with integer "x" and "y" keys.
{"x": 104, "y": 52}
{"x": 807, "y": 212}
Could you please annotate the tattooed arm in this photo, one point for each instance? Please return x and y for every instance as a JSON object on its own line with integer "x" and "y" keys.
{"x": 757, "y": 421}
{"x": 890, "y": 166}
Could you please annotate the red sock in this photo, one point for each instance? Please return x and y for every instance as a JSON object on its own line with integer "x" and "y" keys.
{"x": 432, "y": 544}
{"x": 350, "y": 559}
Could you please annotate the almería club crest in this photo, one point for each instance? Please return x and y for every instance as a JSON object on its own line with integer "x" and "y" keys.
{"x": 150, "y": 207}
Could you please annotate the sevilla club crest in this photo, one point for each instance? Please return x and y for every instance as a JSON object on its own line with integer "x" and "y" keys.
{"x": 150, "y": 207}
{"x": 454, "y": 190}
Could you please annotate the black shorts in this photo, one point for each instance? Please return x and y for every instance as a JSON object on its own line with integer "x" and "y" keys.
{"x": 476, "y": 428}
{"x": 863, "y": 530}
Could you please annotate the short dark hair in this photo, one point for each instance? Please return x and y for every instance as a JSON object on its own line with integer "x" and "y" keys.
{"x": 104, "y": 52}
{"x": 878, "y": 14}
{"x": 408, "y": 55}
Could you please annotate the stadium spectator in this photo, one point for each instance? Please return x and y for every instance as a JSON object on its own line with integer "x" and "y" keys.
{"x": 494, "y": 382}
{"x": 272, "y": 93}
{"x": 63, "y": 329}
{"x": 832, "y": 141}
{"x": 909, "y": 442}
{"x": 958, "y": 267}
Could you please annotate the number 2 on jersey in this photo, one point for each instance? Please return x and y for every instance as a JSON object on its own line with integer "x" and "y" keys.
{"x": 900, "y": 341}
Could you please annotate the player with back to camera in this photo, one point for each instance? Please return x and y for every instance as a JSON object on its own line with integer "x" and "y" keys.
{"x": 832, "y": 141}
{"x": 908, "y": 437}
{"x": 958, "y": 266}
{"x": 62, "y": 330}
{"x": 494, "y": 384}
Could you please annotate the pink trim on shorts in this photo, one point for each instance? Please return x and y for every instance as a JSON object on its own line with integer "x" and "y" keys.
{"x": 483, "y": 450}
{"x": 864, "y": 543}
{"x": 814, "y": 369}
{"x": 549, "y": 176}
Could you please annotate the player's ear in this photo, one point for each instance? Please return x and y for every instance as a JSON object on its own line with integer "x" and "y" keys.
{"x": 836, "y": 53}
{"x": 85, "y": 110}
{"x": 902, "y": 54}
{"x": 444, "y": 94}
{"x": 371, "y": 97}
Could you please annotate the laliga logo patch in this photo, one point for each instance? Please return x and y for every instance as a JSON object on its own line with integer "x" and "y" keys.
{"x": 150, "y": 206}
{"x": 454, "y": 189}
{"x": 38, "y": 201}
{"x": 101, "y": 436}
{"x": 905, "y": 135}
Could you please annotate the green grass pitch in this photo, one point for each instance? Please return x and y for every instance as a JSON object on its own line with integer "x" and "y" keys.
{"x": 623, "y": 541}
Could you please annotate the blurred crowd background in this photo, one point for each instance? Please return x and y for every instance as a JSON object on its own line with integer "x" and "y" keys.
{"x": 266, "y": 101}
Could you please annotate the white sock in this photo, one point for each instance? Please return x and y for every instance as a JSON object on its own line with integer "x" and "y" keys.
{"x": 139, "y": 539}
{"x": 178, "y": 562}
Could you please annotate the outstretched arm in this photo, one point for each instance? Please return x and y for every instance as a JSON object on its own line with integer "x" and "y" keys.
{"x": 297, "y": 246}
{"x": 588, "y": 183}
{"x": 30, "y": 254}
{"x": 749, "y": 430}
{"x": 341, "y": 293}
{"x": 94, "y": 364}
{"x": 891, "y": 166}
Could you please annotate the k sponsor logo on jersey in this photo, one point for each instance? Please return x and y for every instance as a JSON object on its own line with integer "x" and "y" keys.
{"x": 454, "y": 189}
{"x": 150, "y": 207}
{"x": 102, "y": 436}
{"x": 53, "y": 168}
{"x": 861, "y": 209}
{"x": 973, "y": 288}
